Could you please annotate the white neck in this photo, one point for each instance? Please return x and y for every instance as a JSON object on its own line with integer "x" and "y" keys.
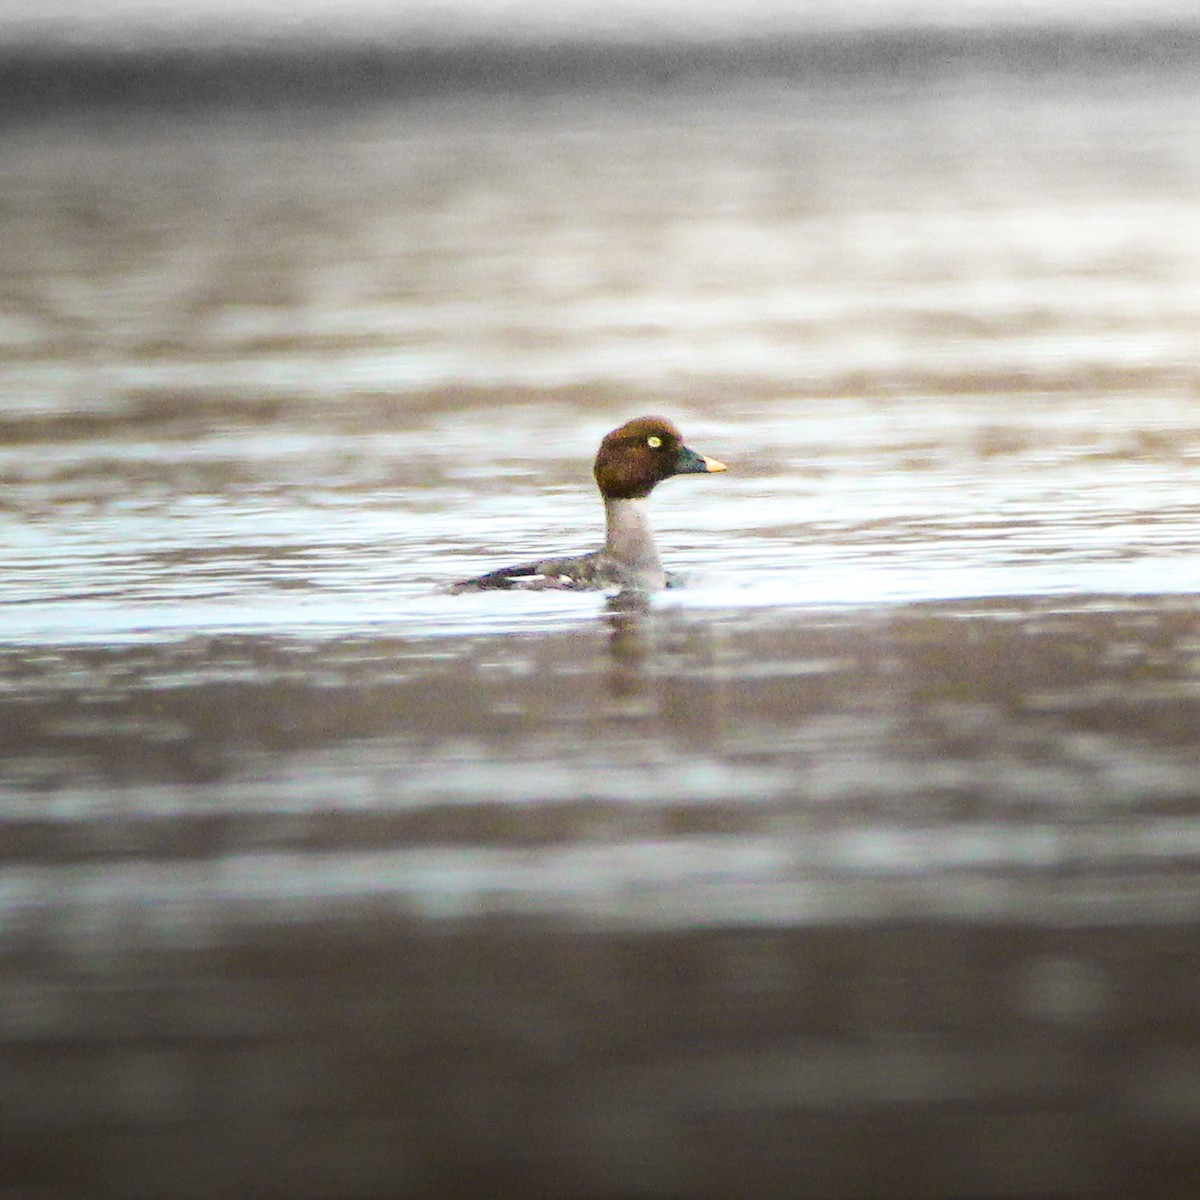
{"x": 630, "y": 541}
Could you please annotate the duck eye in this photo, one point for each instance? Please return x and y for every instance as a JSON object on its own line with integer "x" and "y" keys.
{"x": 654, "y": 442}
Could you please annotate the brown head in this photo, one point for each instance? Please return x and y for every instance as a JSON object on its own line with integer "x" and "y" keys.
{"x": 642, "y": 453}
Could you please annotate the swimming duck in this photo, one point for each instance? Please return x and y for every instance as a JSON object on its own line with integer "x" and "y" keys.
{"x": 631, "y": 462}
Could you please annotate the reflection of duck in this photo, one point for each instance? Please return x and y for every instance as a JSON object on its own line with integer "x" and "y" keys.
{"x": 628, "y": 641}
{"x": 631, "y": 461}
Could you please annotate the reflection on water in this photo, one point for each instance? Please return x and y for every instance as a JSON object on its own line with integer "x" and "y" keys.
{"x": 864, "y": 902}
{"x": 863, "y": 866}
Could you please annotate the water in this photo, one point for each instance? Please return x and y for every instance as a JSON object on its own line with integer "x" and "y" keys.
{"x": 942, "y": 356}
{"x": 879, "y": 838}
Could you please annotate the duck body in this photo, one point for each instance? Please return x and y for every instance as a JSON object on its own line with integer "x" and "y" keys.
{"x": 632, "y": 460}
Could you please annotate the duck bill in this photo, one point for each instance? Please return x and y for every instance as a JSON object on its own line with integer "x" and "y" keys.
{"x": 691, "y": 463}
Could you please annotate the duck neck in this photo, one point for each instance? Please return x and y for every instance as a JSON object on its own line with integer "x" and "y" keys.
{"x": 630, "y": 541}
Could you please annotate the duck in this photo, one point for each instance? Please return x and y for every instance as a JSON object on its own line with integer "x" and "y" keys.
{"x": 632, "y": 461}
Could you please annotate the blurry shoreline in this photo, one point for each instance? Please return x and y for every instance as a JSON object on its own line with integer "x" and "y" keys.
{"x": 38, "y": 81}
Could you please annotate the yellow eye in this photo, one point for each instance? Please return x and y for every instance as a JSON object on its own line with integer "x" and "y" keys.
{"x": 654, "y": 442}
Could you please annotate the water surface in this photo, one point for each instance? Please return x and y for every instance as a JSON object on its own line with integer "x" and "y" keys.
{"x": 862, "y": 865}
